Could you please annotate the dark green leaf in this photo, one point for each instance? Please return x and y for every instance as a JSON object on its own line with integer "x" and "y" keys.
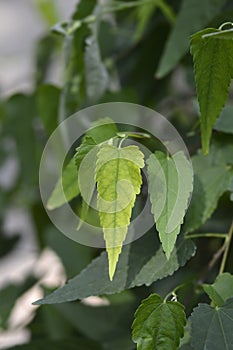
{"x": 48, "y": 102}
{"x": 158, "y": 325}
{"x": 139, "y": 264}
{"x": 210, "y": 182}
{"x": 213, "y": 66}
{"x": 211, "y": 329}
{"x": 193, "y": 16}
{"x": 221, "y": 290}
{"x": 74, "y": 256}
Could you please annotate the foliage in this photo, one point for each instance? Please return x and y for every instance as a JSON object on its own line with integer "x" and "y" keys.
{"x": 110, "y": 52}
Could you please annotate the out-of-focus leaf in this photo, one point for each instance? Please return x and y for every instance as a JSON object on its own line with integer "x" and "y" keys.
{"x": 95, "y": 71}
{"x": 74, "y": 256}
{"x": 48, "y": 11}
{"x": 99, "y": 324}
{"x": 119, "y": 180}
{"x": 158, "y": 324}
{"x": 66, "y": 187}
{"x": 211, "y": 180}
{"x": 48, "y": 102}
{"x": 211, "y": 329}
{"x": 19, "y": 124}
{"x": 213, "y": 67}
{"x": 44, "y": 54}
{"x": 193, "y": 16}
{"x": 7, "y": 243}
{"x": 225, "y": 121}
{"x": 221, "y": 290}
{"x": 140, "y": 263}
{"x": 8, "y": 297}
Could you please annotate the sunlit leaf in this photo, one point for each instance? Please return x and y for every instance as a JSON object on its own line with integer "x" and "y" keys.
{"x": 119, "y": 180}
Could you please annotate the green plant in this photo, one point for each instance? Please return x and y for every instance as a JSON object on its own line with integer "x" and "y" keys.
{"x": 111, "y": 52}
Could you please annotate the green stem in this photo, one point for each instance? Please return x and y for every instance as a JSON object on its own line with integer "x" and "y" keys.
{"x": 173, "y": 292}
{"x": 167, "y": 12}
{"x": 226, "y": 249}
{"x": 208, "y": 235}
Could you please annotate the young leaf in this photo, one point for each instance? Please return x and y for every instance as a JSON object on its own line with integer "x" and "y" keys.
{"x": 158, "y": 325}
{"x": 213, "y": 66}
{"x": 119, "y": 180}
{"x": 66, "y": 187}
{"x": 193, "y": 16}
{"x": 139, "y": 264}
{"x": 221, "y": 290}
{"x": 170, "y": 186}
{"x": 211, "y": 329}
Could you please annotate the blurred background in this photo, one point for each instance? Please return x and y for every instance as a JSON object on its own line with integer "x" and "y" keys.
{"x": 45, "y": 76}
{"x": 22, "y": 24}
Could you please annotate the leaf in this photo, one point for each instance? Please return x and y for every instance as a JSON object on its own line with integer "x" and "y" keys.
{"x": 144, "y": 14}
{"x": 95, "y": 72}
{"x": 211, "y": 329}
{"x": 213, "y": 66}
{"x": 170, "y": 186}
{"x": 118, "y": 180}
{"x": 67, "y": 249}
{"x": 158, "y": 324}
{"x": 221, "y": 290}
{"x": 101, "y": 130}
{"x": 140, "y": 263}
{"x": 225, "y": 121}
{"x": 193, "y": 16}
{"x": 66, "y": 187}
{"x": 47, "y": 102}
{"x": 210, "y": 182}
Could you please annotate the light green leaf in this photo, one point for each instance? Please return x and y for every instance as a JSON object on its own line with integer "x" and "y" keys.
{"x": 221, "y": 290}
{"x": 158, "y": 325}
{"x": 193, "y": 16}
{"x": 225, "y": 121}
{"x": 119, "y": 180}
{"x": 101, "y": 130}
{"x": 66, "y": 187}
{"x": 170, "y": 187}
{"x": 140, "y": 263}
{"x": 213, "y": 66}
{"x": 211, "y": 329}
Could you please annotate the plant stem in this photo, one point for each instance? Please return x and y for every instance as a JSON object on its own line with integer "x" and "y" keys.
{"x": 208, "y": 235}
{"x": 173, "y": 292}
{"x": 227, "y": 244}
